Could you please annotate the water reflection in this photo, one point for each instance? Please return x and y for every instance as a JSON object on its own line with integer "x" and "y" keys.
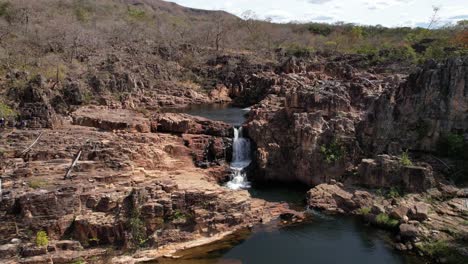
{"x": 219, "y": 112}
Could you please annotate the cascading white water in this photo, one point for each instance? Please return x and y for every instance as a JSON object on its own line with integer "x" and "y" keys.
{"x": 240, "y": 160}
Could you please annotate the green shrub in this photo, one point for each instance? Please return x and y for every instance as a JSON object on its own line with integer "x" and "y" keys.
{"x": 4, "y": 8}
{"x": 137, "y": 228}
{"x": 178, "y": 215}
{"x": 333, "y": 151}
{"x": 6, "y": 111}
{"x": 405, "y": 160}
{"x": 441, "y": 249}
{"x": 364, "y": 211}
{"x": 136, "y": 14}
{"x": 299, "y": 51}
{"x": 385, "y": 220}
{"x": 423, "y": 128}
{"x": 42, "y": 239}
{"x": 79, "y": 261}
{"x": 393, "y": 193}
{"x": 452, "y": 145}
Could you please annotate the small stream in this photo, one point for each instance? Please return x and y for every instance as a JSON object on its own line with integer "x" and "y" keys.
{"x": 323, "y": 239}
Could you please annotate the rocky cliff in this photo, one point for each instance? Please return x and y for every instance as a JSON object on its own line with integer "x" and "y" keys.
{"x": 319, "y": 123}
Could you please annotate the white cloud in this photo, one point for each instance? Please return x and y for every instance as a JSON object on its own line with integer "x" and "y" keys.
{"x": 372, "y": 12}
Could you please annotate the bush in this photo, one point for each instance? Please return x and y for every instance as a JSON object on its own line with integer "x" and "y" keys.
{"x": 364, "y": 211}
{"x": 137, "y": 227}
{"x": 4, "y": 6}
{"x": 441, "y": 249}
{"x": 384, "y": 220}
{"x": 42, "y": 239}
{"x": 393, "y": 193}
{"x": 299, "y": 51}
{"x": 180, "y": 216}
{"x": 405, "y": 160}
{"x": 333, "y": 151}
{"x": 452, "y": 145}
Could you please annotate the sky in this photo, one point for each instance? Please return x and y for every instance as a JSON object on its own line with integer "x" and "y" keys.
{"x": 390, "y": 13}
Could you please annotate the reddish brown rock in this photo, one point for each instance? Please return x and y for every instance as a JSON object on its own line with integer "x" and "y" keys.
{"x": 187, "y": 124}
{"x": 111, "y": 119}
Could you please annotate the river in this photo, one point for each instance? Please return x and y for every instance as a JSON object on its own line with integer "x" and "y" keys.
{"x": 323, "y": 239}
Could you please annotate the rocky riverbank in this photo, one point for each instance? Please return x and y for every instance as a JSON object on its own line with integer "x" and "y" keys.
{"x": 370, "y": 134}
{"x": 135, "y": 185}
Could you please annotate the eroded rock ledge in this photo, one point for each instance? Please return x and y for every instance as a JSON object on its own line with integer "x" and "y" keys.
{"x": 131, "y": 187}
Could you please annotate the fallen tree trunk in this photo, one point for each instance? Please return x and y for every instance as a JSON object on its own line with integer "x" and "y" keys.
{"x": 32, "y": 145}
{"x": 67, "y": 176}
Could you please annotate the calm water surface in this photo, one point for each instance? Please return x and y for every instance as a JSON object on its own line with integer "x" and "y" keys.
{"x": 322, "y": 240}
{"x": 218, "y": 112}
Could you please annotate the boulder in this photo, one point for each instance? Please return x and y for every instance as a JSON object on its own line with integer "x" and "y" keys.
{"x": 419, "y": 212}
{"x": 399, "y": 212}
{"x": 9, "y": 250}
{"x": 31, "y": 250}
{"x": 331, "y": 198}
{"x": 408, "y": 231}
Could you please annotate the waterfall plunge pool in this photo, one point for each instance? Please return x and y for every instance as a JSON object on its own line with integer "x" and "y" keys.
{"x": 322, "y": 240}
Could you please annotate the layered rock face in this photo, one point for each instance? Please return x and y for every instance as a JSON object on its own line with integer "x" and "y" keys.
{"x": 317, "y": 122}
{"x": 433, "y": 102}
{"x": 305, "y": 127}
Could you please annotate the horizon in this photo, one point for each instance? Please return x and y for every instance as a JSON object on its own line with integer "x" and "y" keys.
{"x": 389, "y": 13}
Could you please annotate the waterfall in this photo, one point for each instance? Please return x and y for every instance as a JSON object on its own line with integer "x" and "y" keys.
{"x": 240, "y": 160}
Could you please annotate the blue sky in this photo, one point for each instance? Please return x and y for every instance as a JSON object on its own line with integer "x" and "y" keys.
{"x": 371, "y": 12}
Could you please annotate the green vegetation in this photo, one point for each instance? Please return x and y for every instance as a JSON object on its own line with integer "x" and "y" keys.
{"x": 385, "y": 220}
{"x": 4, "y": 8}
{"x": 333, "y": 151}
{"x": 6, "y": 111}
{"x": 79, "y": 261}
{"x": 136, "y": 14}
{"x": 364, "y": 211}
{"x": 405, "y": 160}
{"x": 393, "y": 193}
{"x": 83, "y": 10}
{"x": 37, "y": 184}
{"x": 452, "y": 145}
{"x": 42, "y": 239}
{"x": 422, "y": 128}
{"x": 299, "y": 51}
{"x": 137, "y": 228}
{"x": 442, "y": 250}
{"x": 179, "y": 215}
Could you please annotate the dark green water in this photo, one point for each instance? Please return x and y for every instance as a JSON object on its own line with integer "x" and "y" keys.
{"x": 322, "y": 240}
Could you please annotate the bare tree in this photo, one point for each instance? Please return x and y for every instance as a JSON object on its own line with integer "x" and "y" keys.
{"x": 434, "y": 18}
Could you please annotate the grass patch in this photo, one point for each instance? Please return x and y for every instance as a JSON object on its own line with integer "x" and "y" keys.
{"x": 405, "y": 159}
{"x": 364, "y": 211}
{"x": 385, "y": 220}
{"x": 37, "y": 184}
{"x": 442, "y": 250}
